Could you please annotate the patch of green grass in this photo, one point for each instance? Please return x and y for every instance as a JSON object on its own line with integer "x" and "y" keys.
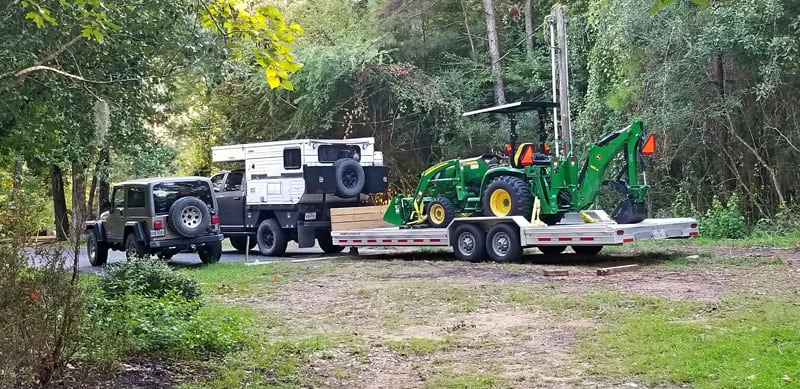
{"x": 753, "y": 342}
{"x": 482, "y": 380}
{"x": 239, "y": 278}
{"x": 420, "y": 346}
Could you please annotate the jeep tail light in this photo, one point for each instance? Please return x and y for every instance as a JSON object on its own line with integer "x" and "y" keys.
{"x": 214, "y": 219}
{"x": 158, "y": 225}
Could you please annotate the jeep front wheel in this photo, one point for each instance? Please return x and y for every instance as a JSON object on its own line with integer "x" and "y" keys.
{"x": 271, "y": 238}
{"x": 96, "y": 251}
{"x": 210, "y": 253}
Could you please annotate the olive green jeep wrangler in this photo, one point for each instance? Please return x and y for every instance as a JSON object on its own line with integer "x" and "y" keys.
{"x": 157, "y": 216}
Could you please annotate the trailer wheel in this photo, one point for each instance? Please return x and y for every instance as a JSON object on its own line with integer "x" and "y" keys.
{"x": 587, "y": 250}
{"x": 271, "y": 238}
{"x": 502, "y": 243}
{"x": 441, "y": 212}
{"x": 350, "y": 179}
{"x": 469, "y": 243}
{"x": 551, "y": 250}
{"x": 507, "y": 196}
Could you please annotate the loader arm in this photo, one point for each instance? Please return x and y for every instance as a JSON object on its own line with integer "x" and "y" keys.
{"x": 626, "y": 140}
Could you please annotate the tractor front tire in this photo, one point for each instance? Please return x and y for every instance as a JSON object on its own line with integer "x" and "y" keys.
{"x": 441, "y": 212}
{"x": 507, "y": 196}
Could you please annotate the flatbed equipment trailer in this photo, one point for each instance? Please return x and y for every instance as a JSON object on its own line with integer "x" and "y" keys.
{"x": 503, "y": 238}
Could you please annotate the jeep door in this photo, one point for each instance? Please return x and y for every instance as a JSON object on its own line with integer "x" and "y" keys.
{"x": 230, "y": 201}
{"x": 115, "y": 224}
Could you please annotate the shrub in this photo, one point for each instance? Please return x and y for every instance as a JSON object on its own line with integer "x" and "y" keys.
{"x": 781, "y": 223}
{"x": 147, "y": 277}
{"x": 724, "y": 221}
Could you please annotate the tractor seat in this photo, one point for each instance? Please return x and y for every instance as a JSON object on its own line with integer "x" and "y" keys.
{"x": 526, "y": 155}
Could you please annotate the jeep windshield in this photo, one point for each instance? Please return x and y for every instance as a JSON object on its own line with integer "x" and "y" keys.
{"x": 165, "y": 194}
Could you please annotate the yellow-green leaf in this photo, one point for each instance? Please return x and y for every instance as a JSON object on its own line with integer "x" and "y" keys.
{"x": 273, "y": 82}
{"x": 286, "y": 84}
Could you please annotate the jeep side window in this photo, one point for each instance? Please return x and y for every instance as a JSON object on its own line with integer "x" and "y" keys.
{"x": 135, "y": 197}
{"x": 291, "y": 159}
{"x": 234, "y": 181}
{"x": 119, "y": 198}
{"x": 216, "y": 182}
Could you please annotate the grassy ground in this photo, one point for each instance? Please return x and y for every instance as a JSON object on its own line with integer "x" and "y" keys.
{"x": 696, "y": 315}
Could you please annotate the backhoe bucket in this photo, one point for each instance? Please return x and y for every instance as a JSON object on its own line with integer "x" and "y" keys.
{"x": 395, "y": 213}
{"x": 630, "y": 210}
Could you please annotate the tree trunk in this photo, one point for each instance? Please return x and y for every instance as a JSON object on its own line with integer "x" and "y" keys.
{"x": 494, "y": 52}
{"x": 472, "y": 54}
{"x": 103, "y": 185}
{"x": 78, "y": 198}
{"x": 528, "y": 27}
{"x": 17, "y": 175}
{"x": 59, "y": 203}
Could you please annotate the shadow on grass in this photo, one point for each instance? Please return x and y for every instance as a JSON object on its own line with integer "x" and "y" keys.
{"x": 603, "y": 260}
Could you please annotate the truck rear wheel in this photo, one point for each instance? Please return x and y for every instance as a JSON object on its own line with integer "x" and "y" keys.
{"x": 502, "y": 243}
{"x": 587, "y": 250}
{"x": 272, "y": 238}
{"x": 469, "y": 243}
{"x": 507, "y": 196}
{"x": 239, "y": 243}
{"x": 326, "y": 244}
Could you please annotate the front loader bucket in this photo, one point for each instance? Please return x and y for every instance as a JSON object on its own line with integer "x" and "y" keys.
{"x": 395, "y": 213}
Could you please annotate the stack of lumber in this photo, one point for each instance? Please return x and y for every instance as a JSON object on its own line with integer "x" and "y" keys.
{"x": 358, "y": 217}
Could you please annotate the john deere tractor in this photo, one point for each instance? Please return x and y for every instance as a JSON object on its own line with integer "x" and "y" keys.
{"x": 507, "y": 182}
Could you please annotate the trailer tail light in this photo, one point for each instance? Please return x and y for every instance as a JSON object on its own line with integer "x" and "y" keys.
{"x": 158, "y": 224}
{"x": 214, "y": 219}
{"x": 649, "y": 147}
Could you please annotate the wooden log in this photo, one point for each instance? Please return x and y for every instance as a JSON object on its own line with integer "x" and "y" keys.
{"x": 556, "y": 273}
{"x": 616, "y": 269}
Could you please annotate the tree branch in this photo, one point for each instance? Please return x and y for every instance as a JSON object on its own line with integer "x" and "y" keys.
{"x": 22, "y": 74}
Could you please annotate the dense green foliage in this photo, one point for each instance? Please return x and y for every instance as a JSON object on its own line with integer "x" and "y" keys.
{"x": 715, "y": 81}
{"x": 146, "y": 277}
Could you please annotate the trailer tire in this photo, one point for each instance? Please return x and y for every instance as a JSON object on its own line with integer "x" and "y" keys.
{"x": 503, "y": 244}
{"x": 587, "y": 250}
{"x": 239, "y": 243}
{"x": 272, "y": 238}
{"x": 469, "y": 243}
{"x": 441, "y": 212}
{"x": 551, "y": 250}
{"x": 507, "y": 196}
{"x": 350, "y": 178}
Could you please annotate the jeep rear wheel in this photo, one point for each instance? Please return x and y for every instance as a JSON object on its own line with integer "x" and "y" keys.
{"x": 96, "y": 251}
{"x": 133, "y": 248}
{"x": 210, "y": 253}
{"x": 189, "y": 216}
{"x": 271, "y": 238}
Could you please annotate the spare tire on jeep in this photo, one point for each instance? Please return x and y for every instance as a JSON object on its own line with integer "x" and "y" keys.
{"x": 189, "y": 216}
{"x": 350, "y": 177}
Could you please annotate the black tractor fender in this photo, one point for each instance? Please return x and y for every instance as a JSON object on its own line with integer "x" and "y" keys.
{"x": 98, "y": 229}
{"x": 137, "y": 229}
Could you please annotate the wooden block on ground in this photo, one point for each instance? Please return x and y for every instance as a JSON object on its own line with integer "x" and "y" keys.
{"x": 358, "y": 217}
{"x": 616, "y": 269}
{"x": 556, "y": 273}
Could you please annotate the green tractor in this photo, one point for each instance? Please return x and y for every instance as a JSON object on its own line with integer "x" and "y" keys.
{"x": 508, "y": 182}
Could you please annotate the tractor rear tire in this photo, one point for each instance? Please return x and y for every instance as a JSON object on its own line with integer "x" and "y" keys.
{"x": 441, "y": 212}
{"x": 508, "y": 196}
